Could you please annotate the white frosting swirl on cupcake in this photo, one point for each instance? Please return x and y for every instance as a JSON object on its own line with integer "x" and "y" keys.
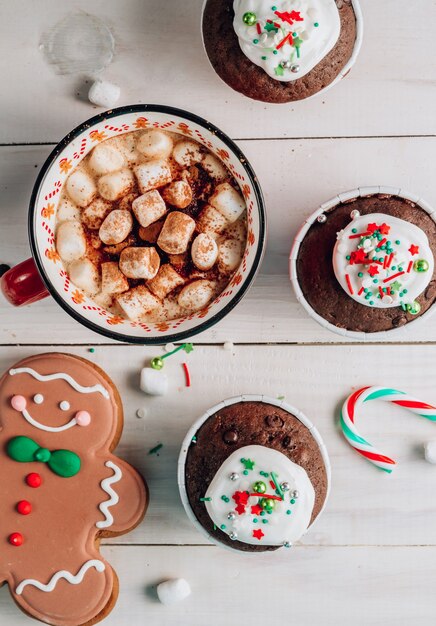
{"x": 286, "y": 38}
{"x": 260, "y": 497}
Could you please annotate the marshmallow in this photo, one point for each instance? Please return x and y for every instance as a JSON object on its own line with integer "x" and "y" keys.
{"x": 81, "y": 187}
{"x": 115, "y": 185}
{"x": 138, "y": 302}
{"x": 228, "y": 202}
{"x": 70, "y": 241}
{"x": 237, "y": 230}
{"x": 196, "y": 295}
{"x": 214, "y": 167}
{"x": 178, "y": 193}
{"x": 112, "y": 278}
{"x": 149, "y": 207}
{"x": 67, "y": 211}
{"x": 116, "y": 226}
{"x": 151, "y": 233}
{"x": 204, "y": 252}
{"x": 95, "y": 213}
{"x": 139, "y": 262}
{"x": 229, "y": 255}
{"x": 430, "y": 452}
{"x": 176, "y": 233}
{"x": 172, "y": 591}
{"x": 165, "y": 281}
{"x": 105, "y": 159}
{"x": 104, "y": 94}
{"x": 187, "y": 153}
{"x": 153, "y": 174}
{"x": 126, "y": 144}
{"x": 211, "y": 222}
{"x": 155, "y": 144}
{"x": 153, "y": 382}
{"x": 84, "y": 275}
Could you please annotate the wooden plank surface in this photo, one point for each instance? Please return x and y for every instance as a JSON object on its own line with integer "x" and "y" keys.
{"x": 160, "y": 59}
{"x": 297, "y": 176}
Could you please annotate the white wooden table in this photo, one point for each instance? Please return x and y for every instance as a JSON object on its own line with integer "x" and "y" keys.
{"x": 371, "y": 558}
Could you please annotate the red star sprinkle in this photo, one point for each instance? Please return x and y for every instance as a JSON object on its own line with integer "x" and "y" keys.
{"x": 372, "y": 227}
{"x": 240, "y": 497}
{"x": 240, "y": 509}
{"x": 256, "y": 509}
{"x": 384, "y": 229}
{"x": 413, "y": 249}
{"x": 358, "y": 256}
{"x": 258, "y": 534}
{"x": 290, "y": 18}
{"x": 373, "y": 270}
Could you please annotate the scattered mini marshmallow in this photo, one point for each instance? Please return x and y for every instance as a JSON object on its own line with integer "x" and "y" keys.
{"x": 153, "y": 382}
{"x": 155, "y": 144}
{"x": 84, "y": 275}
{"x": 174, "y": 590}
{"x": 153, "y": 174}
{"x": 169, "y": 347}
{"x": 237, "y": 230}
{"x": 104, "y": 94}
{"x": 138, "y": 302}
{"x": 178, "y": 194}
{"x": 204, "y": 252}
{"x": 149, "y": 207}
{"x": 196, "y": 295}
{"x": 430, "y": 452}
{"x": 112, "y": 279}
{"x": 187, "y": 153}
{"x": 116, "y": 227}
{"x": 70, "y": 241}
{"x": 228, "y": 202}
{"x": 81, "y": 188}
{"x": 230, "y": 255}
{"x": 176, "y": 233}
{"x": 68, "y": 211}
{"x": 211, "y": 222}
{"x": 141, "y": 412}
{"x": 115, "y": 185}
{"x": 165, "y": 281}
{"x": 139, "y": 262}
{"x": 105, "y": 159}
{"x": 95, "y": 213}
{"x": 214, "y": 167}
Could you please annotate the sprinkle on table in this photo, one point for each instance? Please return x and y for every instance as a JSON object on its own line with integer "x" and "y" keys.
{"x": 156, "y": 449}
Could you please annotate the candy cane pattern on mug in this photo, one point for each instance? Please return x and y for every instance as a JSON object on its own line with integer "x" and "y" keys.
{"x": 353, "y": 403}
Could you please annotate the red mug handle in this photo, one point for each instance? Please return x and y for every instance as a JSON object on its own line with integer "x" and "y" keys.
{"x": 22, "y": 284}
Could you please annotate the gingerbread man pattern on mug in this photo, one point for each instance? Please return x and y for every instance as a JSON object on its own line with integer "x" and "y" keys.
{"x": 62, "y": 488}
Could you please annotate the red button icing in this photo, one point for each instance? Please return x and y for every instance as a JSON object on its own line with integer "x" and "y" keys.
{"x": 16, "y": 539}
{"x": 24, "y": 507}
{"x": 34, "y": 480}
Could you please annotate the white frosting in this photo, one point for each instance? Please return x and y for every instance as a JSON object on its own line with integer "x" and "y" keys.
{"x": 64, "y": 405}
{"x": 306, "y": 45}
{"x": 394, "y": 269}
{"x": 72, "y": 579}
{"x": 113, "y": 496}
{"x": 278, "y": 527}
{"x": 38, "y": 398}
{"x": 47, "y": 429}
{"x": 62, "y": 376}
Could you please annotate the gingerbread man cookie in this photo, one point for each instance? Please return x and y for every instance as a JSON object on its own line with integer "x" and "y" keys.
{"x": 61, "y": 488}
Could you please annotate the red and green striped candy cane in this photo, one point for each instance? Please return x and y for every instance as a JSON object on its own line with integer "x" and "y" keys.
{"x": 353, "y": 403}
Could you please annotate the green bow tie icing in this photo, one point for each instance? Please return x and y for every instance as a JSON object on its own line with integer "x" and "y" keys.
{"x": 62, "y": 462}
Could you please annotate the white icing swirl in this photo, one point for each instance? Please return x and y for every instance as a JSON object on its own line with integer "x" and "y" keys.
{"x": 287, "y": 38}
{"x": 379, "y": 254}
{"x": 235, "y": 493}
{"x": 73, "y": 579}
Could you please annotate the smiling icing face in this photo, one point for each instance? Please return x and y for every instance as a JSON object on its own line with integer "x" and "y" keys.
{"x": 259, "y": 496}
{"x": 383, "y": 262}
{"x": 286, "y": 38}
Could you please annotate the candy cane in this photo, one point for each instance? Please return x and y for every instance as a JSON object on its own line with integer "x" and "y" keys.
{"x": 348, "y": 414}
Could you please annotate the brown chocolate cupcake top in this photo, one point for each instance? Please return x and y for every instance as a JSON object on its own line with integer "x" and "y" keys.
{"x": 390, "y": 277}
{"x": 263, "y": 430}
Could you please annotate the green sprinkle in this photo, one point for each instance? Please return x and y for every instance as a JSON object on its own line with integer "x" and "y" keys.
{"x": 194, "y": 439}
{"x": 255, "y": 520}
{"x": 288, "y": 512}
{"x": 348, "y": 257}
{"x": 205, "y": 499}
{"x": 156, "y": 449}
{"x": 262, "y": 513}
{"x": 275, "y": 51}
{"x": 394, "y": 267}
{"x": 245, "y": 472}
{"x": 292, "y": 501}
{"x": 92, "y": 350}
{"x": 360, "y": 274}
{"x": 405, "y": 290}
{"x": 264, "y": 521}
{"x": 354, "y": 230}
{"x": 398, "y": 242}
{"x": 223, "y": 526}
{"x": 316, "y": 24}
{"x": 295, "y": 35}
{"x": 400, "y": 269}
{"x": 371, "y": 302}
{"x": 264, "y": 58}
{"x": 255, "y": 40}
{"x": 375, "y": 281}
{"x": 274, "y": 8}
{"x": 225, "y": 498}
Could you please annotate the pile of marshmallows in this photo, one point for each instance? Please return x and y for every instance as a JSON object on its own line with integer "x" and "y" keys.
{"x": 107, "y": 178}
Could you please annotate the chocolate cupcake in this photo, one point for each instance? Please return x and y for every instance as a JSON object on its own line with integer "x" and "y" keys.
{"x": 253, "y": 474}
{"x": 364, "y": 262}
{"x": 281, "y": 51}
